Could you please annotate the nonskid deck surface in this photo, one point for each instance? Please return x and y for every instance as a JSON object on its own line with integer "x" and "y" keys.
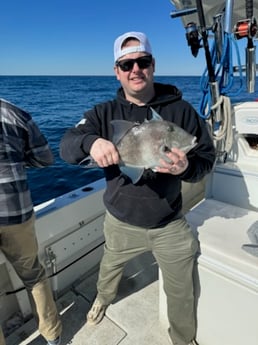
{"x": 132, "y": 319}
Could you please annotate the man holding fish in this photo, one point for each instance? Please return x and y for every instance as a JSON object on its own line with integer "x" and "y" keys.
{"x": 148, "y": 140}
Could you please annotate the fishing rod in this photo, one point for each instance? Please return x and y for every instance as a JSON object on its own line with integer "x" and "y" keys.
{"x": 192, "y": 36}
{"x": 216, "y": 82}
{"x": 247, "y": 28}
{"x": 204, "y": 34}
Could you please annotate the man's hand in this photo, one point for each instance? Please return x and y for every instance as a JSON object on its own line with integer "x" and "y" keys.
{"x": 104, "y": 153}
{"x": 176, "y": 165}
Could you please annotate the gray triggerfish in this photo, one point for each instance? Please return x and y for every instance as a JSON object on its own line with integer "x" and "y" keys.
{"x": 141, "y": 146}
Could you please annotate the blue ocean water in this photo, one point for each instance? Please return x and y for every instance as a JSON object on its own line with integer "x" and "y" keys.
{"x": 57, "y": 103}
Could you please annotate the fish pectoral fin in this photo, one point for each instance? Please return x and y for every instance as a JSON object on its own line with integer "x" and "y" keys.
{"x": 133, "y": 173}
{"x": 88, "y": 162}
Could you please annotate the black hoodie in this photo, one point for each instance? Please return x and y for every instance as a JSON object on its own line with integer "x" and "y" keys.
{"x": 156, "y": 198}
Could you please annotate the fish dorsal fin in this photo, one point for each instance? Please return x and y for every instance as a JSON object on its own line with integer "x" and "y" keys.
{"x": 134, "y": 173}
{"x": 155, "y": 116}
{"x": 121, "y": 127}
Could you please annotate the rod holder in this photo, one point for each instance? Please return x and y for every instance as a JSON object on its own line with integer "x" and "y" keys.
{"x": 250, "y": 55}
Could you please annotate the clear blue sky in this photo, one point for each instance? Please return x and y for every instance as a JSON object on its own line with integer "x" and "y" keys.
{"x": 75, "y": 37}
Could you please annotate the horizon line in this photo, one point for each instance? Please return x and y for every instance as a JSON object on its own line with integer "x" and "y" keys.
{"x": 91, "y": 75}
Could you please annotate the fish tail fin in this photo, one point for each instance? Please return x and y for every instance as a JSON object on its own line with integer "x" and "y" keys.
{"x": 88, "y": 162}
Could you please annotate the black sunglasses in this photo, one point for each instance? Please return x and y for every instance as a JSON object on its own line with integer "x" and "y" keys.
{"x": 142, "y": 62}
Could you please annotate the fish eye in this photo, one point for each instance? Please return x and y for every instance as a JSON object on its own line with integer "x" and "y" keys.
{"x": 166, "y": 149}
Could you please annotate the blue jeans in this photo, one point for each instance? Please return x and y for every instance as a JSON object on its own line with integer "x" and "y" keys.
{"x": 174, "y": 248}
{"x": 19, "y": 244}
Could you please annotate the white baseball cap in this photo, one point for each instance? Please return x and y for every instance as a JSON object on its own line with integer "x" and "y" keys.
{"x": 144, "y": 45}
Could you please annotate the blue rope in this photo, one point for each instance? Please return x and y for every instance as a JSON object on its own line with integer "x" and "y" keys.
{"x": 224, "y": 75}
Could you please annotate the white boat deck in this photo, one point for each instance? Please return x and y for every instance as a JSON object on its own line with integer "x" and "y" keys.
{"x": 133, "y": 318}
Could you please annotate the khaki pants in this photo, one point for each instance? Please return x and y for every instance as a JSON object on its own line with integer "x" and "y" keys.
{"x": 174, "y": 247}
{"x": 2, "y": 341}
{"x": 19, "y": 244}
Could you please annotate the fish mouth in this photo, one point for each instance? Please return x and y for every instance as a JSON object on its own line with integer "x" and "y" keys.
{"x": 194, "y": 141}
{"x": 189, "y": 147}
{"x": 193, "y": 144}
